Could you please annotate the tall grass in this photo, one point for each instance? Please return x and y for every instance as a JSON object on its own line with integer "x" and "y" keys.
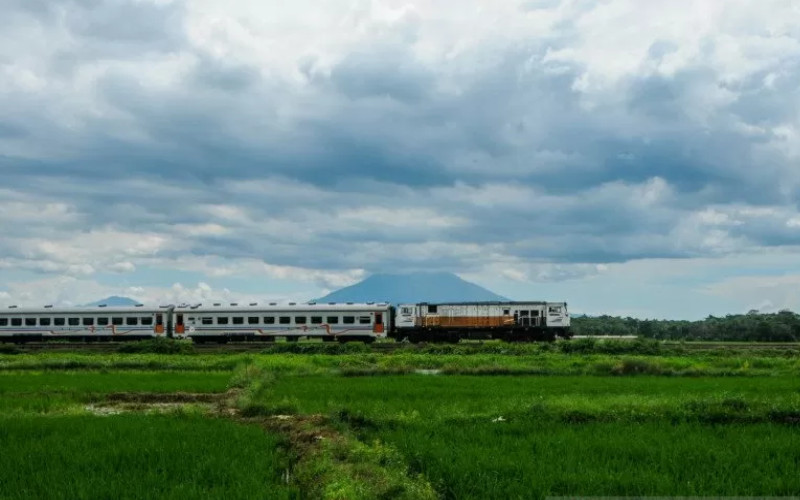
{"x": 522, "y": 459}
{"x": 530, "y": 437}
{"x": 135, "y": 456}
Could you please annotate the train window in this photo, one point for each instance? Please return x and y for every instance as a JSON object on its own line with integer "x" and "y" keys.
{"x": 252, "y": 320}
{"x": 285, "y": 320}
{"x": 3, "y": 321}
{"x": 207, "y": 321}
{"x": 348, "y": 320}
{"x": 73, "y": 321}
{"x": 269, "y": 320}
{"x": 316, "y": 320}
{"x": 238, "y": 320}
{"x": 534, "y": 313}
{"x": 405, "y": 310}
{"x": 333, "y": 320}
{"x": 147, "y": 321}
{"x": 116, "y": 321}
{"x": 44, "y": 321}
{"x": 434, "y": 309}
{"x": 523, "y": 313}
{"x": 88, "y": 321}
{"x": 222, "y": 320}
{"x": 102, "y": 321}
{"x": 59, "y": 321}
{"x": 555, "y": 310}
{"x": 30, "y": 321}
{"x": 16, "y": 321}
{"x": 131, "y": 321}
{"x": 299, "y": 320}
{"x": 506, "y": 312}
{"x": 364, "y": 320}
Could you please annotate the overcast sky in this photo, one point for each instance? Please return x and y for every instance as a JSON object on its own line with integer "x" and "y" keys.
{"x": 629, "y": 157}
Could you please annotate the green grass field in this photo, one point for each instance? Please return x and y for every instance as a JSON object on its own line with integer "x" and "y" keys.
{"x": 483, "y": 421}
{"x": 137, "y": 456}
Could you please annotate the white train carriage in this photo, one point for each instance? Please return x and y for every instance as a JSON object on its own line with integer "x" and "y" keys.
{"x": 83, "y": 323}
{"x": 342, "y": 322}
{"x": 482, "y": 320}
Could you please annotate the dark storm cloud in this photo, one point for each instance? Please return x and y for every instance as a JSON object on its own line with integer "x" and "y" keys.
{"x": 165, "y": 126}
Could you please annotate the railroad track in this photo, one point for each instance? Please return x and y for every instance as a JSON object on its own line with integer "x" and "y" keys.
{"x": 378, "y": 346}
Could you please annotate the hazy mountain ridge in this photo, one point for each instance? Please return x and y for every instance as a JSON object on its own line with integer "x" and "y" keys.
{"x": 414, "y": 287}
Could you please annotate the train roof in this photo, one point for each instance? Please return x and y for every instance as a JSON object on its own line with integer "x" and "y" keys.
{"x": 213, "y": 307}
{"x": 488, "y": 303}
{"x": 82, "y": 310}
{"x": 290, "y": 307}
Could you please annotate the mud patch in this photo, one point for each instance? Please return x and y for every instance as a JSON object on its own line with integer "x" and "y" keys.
{"x": 151, "y": 402}
{"x": 165, "y": 397}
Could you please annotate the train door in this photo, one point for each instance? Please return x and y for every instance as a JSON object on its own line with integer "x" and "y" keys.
{"x": 377, "y": 327}
{"x": 180, "y": 328}
{"x": 159, "y": 328}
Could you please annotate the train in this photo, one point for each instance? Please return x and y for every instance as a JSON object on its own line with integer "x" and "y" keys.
{"x": 342, "y": 322}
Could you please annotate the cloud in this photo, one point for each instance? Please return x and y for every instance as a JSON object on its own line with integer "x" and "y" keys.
{"x": 536, "y": 140}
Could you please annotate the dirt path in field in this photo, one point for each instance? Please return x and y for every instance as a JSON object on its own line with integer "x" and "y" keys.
{"x": 328, "y": 461}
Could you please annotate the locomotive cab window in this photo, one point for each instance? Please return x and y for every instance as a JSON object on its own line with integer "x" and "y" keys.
{"x": 555, "y": 310}
{"x": 16, "y": 321}
{"x": 506, "y": 312}
{"x": 405, "y": 310}
{"x": 59, "y": 321}
{"x": 433, "y": 309}
{"x": 30, "y": 321}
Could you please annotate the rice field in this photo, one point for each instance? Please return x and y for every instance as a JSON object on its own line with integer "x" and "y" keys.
{"x": 445, "y": 422}
{"x": 133, "y": 456}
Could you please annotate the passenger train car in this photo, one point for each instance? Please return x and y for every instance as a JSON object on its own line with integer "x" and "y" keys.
{"x": 329, "y": 322}
{"x": 100, "y": 323}
{"x": 449, "y": 322}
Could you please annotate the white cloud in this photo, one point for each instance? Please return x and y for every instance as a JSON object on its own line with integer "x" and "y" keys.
{"x": 536, "y": 141}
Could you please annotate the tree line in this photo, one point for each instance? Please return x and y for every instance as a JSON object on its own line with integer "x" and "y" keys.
{"x": 783, "y": 326}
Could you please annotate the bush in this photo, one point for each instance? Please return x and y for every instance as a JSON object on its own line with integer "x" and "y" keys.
{"x": 9, "y": 349}
{"x": 318, "y": 348}
{"x": 158, "y": 346}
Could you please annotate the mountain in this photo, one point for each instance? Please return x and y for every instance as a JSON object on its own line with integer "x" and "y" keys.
{"x": 414, "y": 287}
{"x": 113, "y": 301}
